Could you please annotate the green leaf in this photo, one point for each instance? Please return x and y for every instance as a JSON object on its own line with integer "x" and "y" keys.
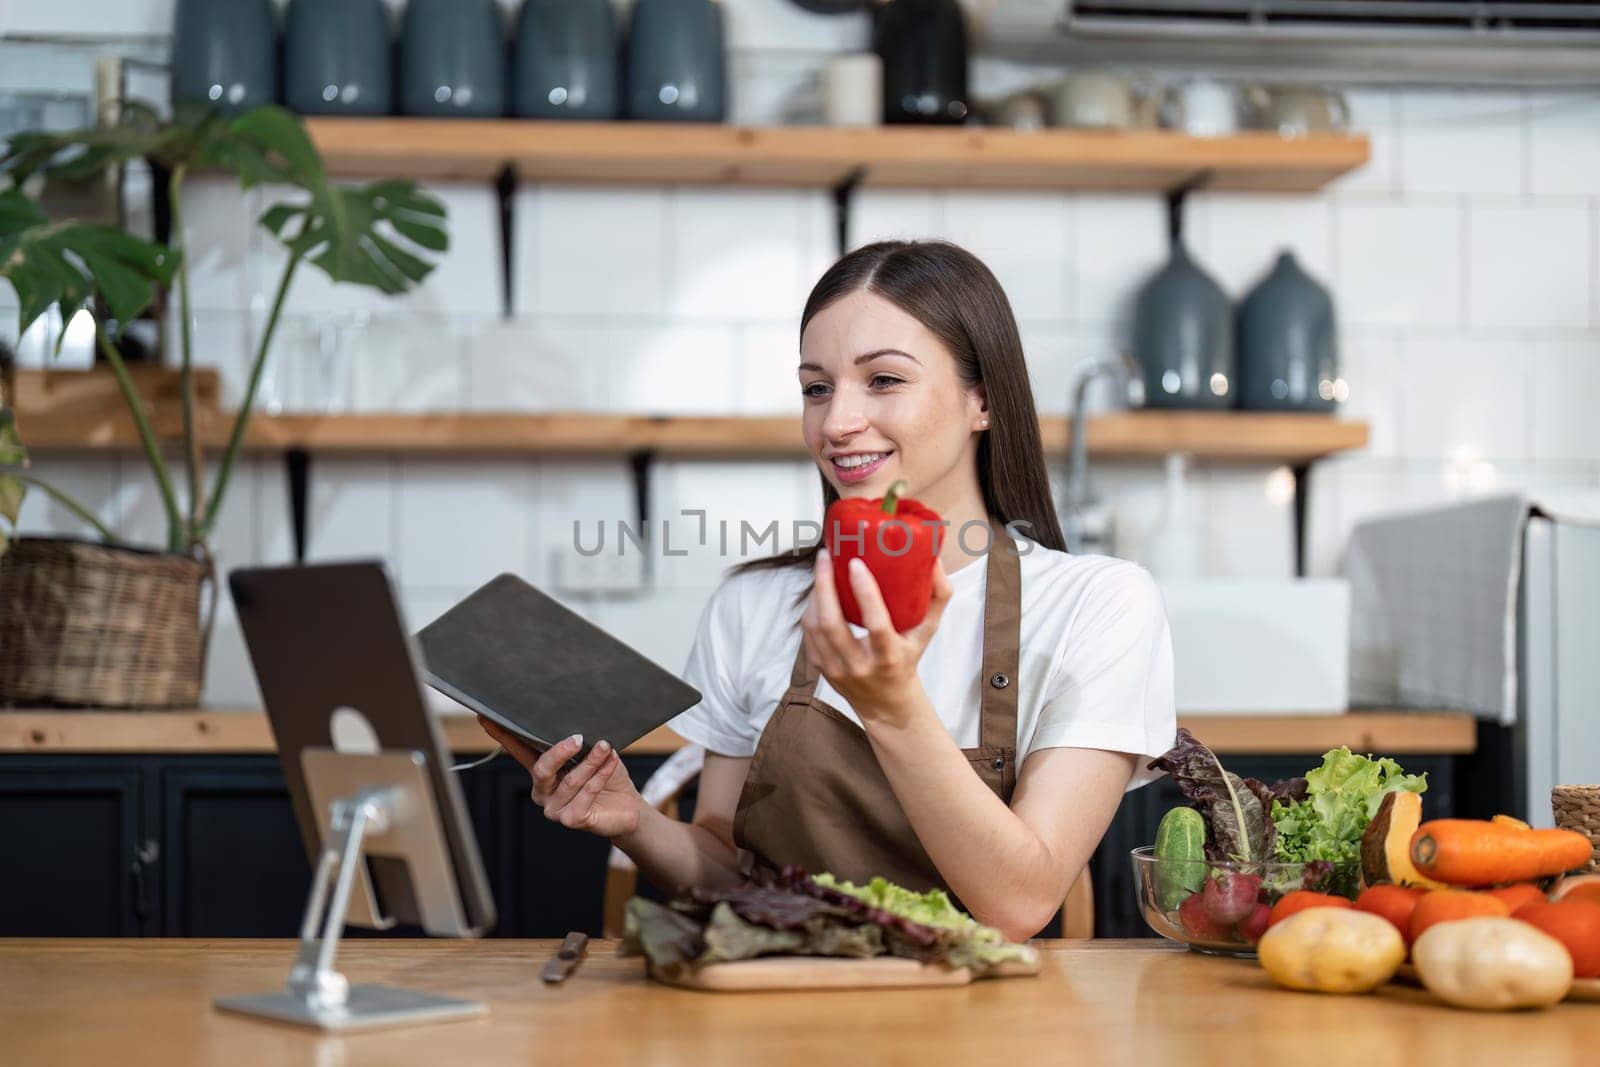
{"x": 372, "y": 235}
{"x": 11, "y": 494}
{"x": 65, "y": 265}
{"x": 278, "y": 137}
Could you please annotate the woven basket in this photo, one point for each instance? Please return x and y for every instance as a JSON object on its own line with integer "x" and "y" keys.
{"x": 1577, "y": 807}
{"x": 87, "y": 625}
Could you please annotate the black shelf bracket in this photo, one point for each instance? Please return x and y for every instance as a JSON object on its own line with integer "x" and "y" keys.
{"x": 640, "y": 462}
{"x": 297, "y": 462}
{"x": 1177, "y": 198}
{"x": 505, "y": 187}
{"x": 843, "y": 197}
{"x": 1302, "y": 500}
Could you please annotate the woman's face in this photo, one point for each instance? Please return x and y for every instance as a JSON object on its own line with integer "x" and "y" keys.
{"x": 882, "y": 401}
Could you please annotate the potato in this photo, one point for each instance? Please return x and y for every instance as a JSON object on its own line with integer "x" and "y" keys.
{"x": 1332, "y": 950}
{"x": 1492, "y": 963}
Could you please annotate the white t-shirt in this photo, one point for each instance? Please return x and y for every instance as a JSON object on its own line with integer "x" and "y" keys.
{"x": 1095, "y": 663}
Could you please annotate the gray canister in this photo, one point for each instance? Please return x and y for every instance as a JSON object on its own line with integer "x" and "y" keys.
{"x": 452, "y": 59}
{"x": 565, "y": 61}
{"x": 224, "y": 53}
{"x": 677, "y": 61}
{"x": 1288, "y": 343}
{"x": 336, "y": 58}
{"x": 1183, "y": 337}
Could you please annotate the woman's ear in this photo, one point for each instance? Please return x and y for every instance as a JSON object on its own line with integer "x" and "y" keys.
{"x": 978, "y": 408}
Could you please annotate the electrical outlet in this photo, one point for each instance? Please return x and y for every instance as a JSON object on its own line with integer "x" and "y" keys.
{"x": 605, "y": 572}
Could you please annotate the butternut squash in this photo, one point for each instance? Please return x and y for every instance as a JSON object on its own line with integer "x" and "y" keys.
{"x": 1386, "y": 844}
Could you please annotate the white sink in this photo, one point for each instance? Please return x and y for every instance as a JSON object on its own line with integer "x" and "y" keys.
{"x": 1260, "y": 647}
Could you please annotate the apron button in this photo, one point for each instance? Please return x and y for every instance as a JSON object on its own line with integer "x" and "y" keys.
{"x": 999, "y": 681}
{"x": 999, "y": 763}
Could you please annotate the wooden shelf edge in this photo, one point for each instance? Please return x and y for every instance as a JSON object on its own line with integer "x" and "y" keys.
{"x": 1220, "y": 435}
{"x": 823, "y": 157}
{"x": 1388, "y": 733}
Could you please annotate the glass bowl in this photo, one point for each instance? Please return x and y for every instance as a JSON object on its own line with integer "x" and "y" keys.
{"x": 1177, "y": 902}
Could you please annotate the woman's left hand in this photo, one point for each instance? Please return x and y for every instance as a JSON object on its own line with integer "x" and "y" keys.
{"x": 877, "y": 673}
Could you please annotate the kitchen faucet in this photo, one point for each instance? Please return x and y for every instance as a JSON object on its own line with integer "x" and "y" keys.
{"x": 1089, "y": 520}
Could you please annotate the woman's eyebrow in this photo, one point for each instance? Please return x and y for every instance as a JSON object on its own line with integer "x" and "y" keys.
{"x": 867, "y": 357}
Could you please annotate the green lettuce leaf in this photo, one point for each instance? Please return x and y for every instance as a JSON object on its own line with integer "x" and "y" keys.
{"x": 1342, "y": 796}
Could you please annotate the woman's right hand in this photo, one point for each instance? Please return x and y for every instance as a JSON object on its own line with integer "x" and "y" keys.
{"x": 596, "y": 796}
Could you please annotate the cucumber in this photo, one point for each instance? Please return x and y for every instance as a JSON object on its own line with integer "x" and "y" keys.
{"x": 1180, "y": 855}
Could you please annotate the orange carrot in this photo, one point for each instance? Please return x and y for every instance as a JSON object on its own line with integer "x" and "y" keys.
{"x": 1479, "y": 852}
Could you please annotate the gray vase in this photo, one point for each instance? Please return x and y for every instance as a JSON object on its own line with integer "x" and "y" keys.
{"x": 1183, "y": 337}
{"x": 224, "y": 53}
{"x": 452, "y": 59}
{"x": 677, "y": 61}
{"x": 1288, "y": 343}
{"x": 336, "y": 58}
{"x": 565, "y": 62}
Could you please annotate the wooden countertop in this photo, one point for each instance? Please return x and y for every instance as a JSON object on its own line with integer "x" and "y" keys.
{"x": 141, "y": 1002}
{"x": 1390, "y": 733}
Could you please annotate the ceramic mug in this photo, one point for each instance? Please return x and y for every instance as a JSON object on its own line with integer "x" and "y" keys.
{"x": 1102, "y": 100}
{"x": 852, "y": 90}
{"x": 1294, "y": 110}
{"x": 1201, "y": 107}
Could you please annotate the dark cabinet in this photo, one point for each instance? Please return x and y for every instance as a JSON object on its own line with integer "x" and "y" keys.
{"x": 207, "y": 846}
{"x": 232, "y": 861}
{"x": 77, "y": 862}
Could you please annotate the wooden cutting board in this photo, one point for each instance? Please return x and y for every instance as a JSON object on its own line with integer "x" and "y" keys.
{"x": 774, "y": 973}
{"x": 1582, "y": 988}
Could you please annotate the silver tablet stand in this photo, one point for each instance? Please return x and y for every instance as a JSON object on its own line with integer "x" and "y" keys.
{"x": 367, "y": 805}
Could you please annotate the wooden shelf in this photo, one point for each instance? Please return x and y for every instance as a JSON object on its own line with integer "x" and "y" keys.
{"x": 1389, "y": 733}
{"x": 820, "y": 156}
{"x": 1226, "y": 436}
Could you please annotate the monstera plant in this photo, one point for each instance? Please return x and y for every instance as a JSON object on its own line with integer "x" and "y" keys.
{"x": 381, "y": 235}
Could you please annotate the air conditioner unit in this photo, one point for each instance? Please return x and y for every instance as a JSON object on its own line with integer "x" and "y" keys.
{"x": 1517, "y": 42}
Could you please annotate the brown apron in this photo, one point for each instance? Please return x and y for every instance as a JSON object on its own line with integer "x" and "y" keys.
{"x": 815, "y": 795}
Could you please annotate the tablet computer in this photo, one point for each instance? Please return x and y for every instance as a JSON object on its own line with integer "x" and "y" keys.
{"x": 519, "y": 657}
{"x": 327, "y": 640}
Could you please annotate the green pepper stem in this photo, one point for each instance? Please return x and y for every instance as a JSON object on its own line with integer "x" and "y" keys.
{"x": 891, "y": 499}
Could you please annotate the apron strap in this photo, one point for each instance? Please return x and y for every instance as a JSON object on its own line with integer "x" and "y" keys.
{"x": 1002, "y": 645}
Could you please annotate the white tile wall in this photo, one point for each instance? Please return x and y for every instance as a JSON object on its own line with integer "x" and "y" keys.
{"x": 1467, "y": 395}
{"x": 457, "y": 524}
{"x": 1456, "y": 142}
{"x": 593, "y": 251}
{"x": 1399, "y": 261}
{"x": 1566, "y": 381}
{"x": 1376, "y": 113}
{"x": 1564, "y": 143}
{"x": 1504, "y": 240}
{"x": 1023, "y": 238}
{"x": 736, "y": 253}
{"x": 765, "y": 357}
{"x": 1118, "y": 242}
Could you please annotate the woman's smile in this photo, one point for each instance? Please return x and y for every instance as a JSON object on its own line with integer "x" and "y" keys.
{"x": 851, "y": 468}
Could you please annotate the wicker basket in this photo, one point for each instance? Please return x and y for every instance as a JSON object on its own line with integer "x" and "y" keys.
{"x": 1577, "y": 807}
{"x": 86, "y": 625}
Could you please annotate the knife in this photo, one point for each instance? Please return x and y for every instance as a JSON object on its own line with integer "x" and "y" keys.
{"x": 567, "y": 958}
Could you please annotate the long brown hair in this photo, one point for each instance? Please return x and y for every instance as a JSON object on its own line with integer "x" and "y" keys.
{"x": 951, "y": 292}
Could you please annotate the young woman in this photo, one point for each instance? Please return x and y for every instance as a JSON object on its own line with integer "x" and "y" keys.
{"x": 986, "y": 750}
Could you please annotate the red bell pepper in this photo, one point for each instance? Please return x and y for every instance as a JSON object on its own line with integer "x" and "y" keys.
{"x": 897, "y": 539}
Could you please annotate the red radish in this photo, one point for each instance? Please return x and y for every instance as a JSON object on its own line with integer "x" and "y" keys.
{"x": 1256, "y": 925}
{"x": 1197, "y": 921}
{"x": 1230, "y": 898}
